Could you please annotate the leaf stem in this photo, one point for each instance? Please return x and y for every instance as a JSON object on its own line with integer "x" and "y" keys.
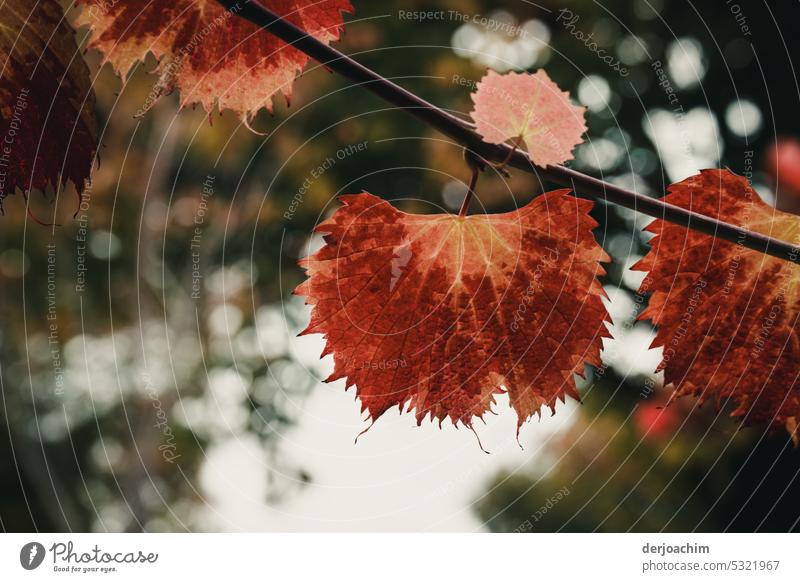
{"x": 463, "y": 133}
{"x": 501, "y": 167}
{"x": 470, "y": 190}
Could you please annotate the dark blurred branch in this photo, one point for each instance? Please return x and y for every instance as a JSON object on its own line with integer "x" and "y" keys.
{"x": 463, "y": 133}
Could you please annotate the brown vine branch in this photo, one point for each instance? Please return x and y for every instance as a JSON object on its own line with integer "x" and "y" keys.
{"x": 463, "y": 133}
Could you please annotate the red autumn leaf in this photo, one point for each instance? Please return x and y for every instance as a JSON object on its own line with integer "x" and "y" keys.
{"x": 529, "y": 109}
{"x": 438, "y": 312}
{"x": 48, "y": 129}
{"x": 726, "y": 315}
{"x": 208, "y": 52}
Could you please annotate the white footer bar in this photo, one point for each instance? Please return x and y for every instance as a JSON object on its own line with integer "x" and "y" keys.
{"x": 400, "y": 557}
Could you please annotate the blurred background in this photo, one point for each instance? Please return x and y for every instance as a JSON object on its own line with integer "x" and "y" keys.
{"x": 152, "y": 377}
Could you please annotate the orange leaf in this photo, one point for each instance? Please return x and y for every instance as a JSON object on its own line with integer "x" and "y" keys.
{"x": 438, "y": 312}
{"x": 727, "y": 315}
{"x": 208, "y": 52}
{"x": 48, "y": 128}
{"x": 530, "y": 108}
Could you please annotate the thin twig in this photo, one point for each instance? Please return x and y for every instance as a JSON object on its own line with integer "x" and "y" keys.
{"x": 463, "y": 133}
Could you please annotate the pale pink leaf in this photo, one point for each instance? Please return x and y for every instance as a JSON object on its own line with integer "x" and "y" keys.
{"x": 532, "y": 111}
